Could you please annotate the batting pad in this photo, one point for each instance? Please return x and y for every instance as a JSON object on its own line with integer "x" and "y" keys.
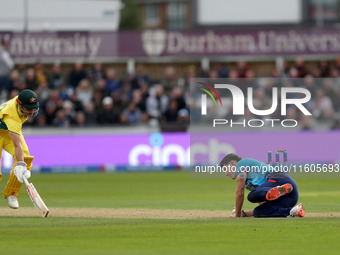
{"x": 13, "y": 185}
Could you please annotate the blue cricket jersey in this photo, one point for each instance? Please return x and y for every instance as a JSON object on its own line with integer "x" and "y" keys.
{"x": 256, "y": 172}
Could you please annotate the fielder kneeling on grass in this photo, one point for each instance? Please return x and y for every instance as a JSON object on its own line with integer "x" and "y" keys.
{"x": 276, "y": 192}
{"x": 13, "y": 114}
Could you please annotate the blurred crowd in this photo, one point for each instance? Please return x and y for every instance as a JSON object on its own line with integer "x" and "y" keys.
{"x": 96, "y": 95}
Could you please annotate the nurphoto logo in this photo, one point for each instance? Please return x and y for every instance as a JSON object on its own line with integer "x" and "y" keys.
{"x": 297, "y": 98}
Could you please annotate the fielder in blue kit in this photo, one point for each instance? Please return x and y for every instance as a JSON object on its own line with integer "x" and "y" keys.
{"x": 275, "y": 191}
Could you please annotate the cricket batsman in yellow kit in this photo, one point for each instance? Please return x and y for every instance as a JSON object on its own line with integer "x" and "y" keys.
{"x": 13, "y": 114}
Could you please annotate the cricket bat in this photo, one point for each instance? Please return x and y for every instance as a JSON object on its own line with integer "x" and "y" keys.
{"x": 36, "y": 199}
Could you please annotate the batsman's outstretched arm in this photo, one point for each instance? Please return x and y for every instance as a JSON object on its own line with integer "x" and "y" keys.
{"x": 239, "y": 196}
{"x": 19, "y": 153}
{"x": 20, "y": 169}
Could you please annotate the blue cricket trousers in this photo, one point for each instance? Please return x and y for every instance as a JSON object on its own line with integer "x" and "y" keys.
{"x": 276, "y": 208}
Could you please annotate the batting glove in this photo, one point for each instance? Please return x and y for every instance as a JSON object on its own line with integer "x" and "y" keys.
{"x": 20, "y": 170}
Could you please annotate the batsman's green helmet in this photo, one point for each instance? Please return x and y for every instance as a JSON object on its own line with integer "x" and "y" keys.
{"x": 28, "y": 99}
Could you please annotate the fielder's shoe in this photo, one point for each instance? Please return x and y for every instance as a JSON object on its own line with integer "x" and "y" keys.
{"x": 13, "y": 202}
{"x": 297, "y": 211}
{"x": 279, "y": 191}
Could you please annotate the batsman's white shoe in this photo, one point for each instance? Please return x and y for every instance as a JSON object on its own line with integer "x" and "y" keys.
{"x": 297, "y": 211}
{"x": 13, "y": 202}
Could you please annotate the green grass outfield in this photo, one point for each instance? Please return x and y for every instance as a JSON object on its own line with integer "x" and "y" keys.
{"x": 166, "y": 190}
